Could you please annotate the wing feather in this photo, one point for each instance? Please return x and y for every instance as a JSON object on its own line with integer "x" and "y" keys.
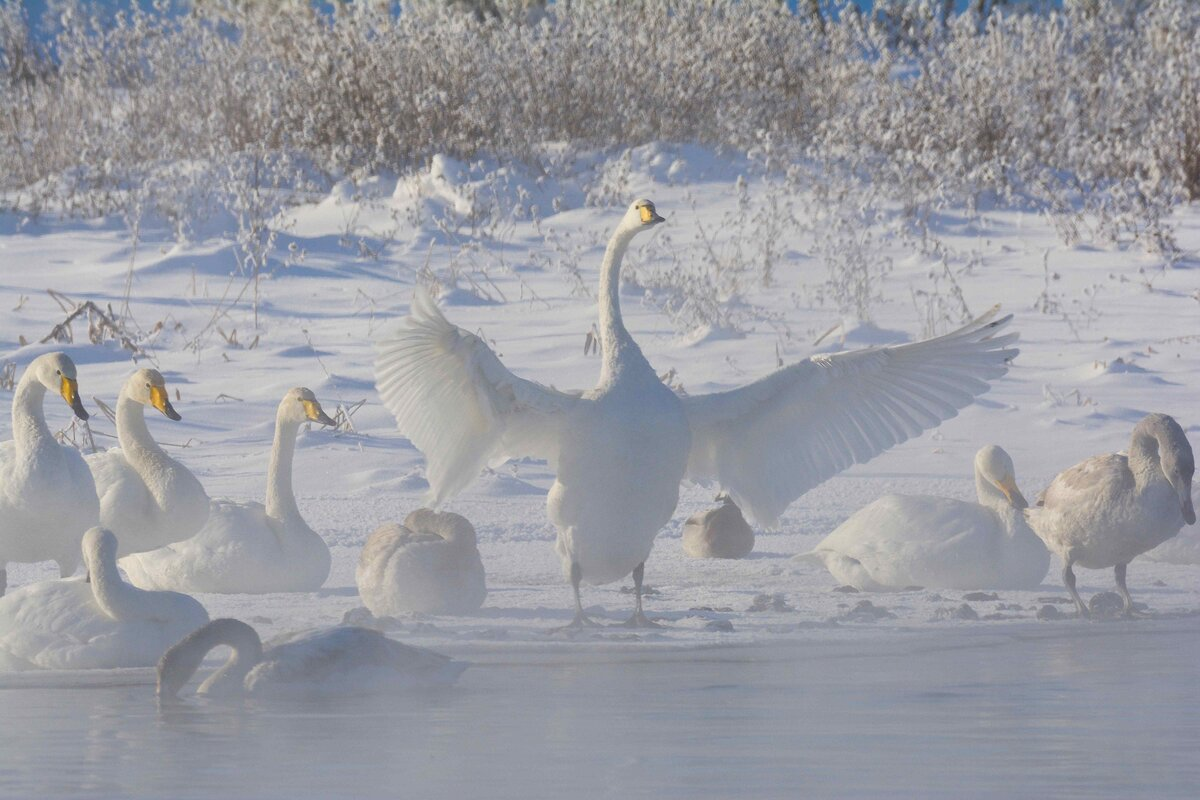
{"x": 769, "y": 442}
{"x": 458, "y": 403}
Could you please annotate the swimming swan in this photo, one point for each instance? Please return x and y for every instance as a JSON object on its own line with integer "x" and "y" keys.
{"x": 47, "y": 497}
{"x": 103, "y": 623}
{"x": 621, "y": 449}
{"x": 429, "y": 564}
{"x": 146, "y": 497}
{"x": 939, "y": 543}
{"x": 249, "y": 547}
{"x": 342, "y": 660}
{"x": 721, "y": 532}
{"x": 1107, "y": 510}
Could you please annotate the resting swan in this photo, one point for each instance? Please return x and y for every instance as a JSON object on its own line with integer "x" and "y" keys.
{"x": 342, "y": 660}
{"x": 621, "y": 449}
{"x": 939, "y": 543}
{"x": 100, "y": 623}
{"x": 47, "y": 497}
{"x": 249, "y": 547}
{"x": 146, "y": 497}
{"x": 430, "y": 564}
{"x": 721, "y": 532}
{"x": 1107, "y": 510}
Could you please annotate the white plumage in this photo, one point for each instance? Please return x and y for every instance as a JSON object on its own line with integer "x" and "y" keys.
{"x": 146, "y": 497}
{"x": 333, "y": 661}
{"x": 47, "y": 496}
{"x": 249, "y": 547}
{"x": 1107, "y": 510}
{"x": 621, "y": 449}
{"x": 939, "y": 543}
{"x": 101, "y": 624}
{"x": 430, "y": 564}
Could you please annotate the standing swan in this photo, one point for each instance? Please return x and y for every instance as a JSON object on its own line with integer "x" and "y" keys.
{"x": 146, "y": 497}
{"x": 103, "y": 623}
{"x": 621, "y": 449}
{"x": 1107, "y": 510}
{"x": 430, "y": 564}
{"x": 342, "y": 660}
{"x": 47, "y": 497}
{"x": 248, "y": 547}
{"x": 939, "y": 543}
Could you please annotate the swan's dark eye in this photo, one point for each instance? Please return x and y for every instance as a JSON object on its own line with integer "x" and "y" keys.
{"x": 58, "y": 372}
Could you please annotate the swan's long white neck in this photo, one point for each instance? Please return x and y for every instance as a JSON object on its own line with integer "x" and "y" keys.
{"x": 28, "y": 416}
{"x": 281, "y": 500}
{"x": 989, "y": 494}
{"x": 141, "y": 451}
{"x": 115, "y": 597}
{"x": 618, "y": 348}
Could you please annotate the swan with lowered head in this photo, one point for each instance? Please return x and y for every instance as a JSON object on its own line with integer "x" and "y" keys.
{"x": 99, "y": 623}
{"x": 621, "y": 449}
{"x": 900, "y": 541}
{"x": 721, "y": 532}
{"x": 430, "y": 564}
{"x": 1107, "y": 510}
{"x": 146, "y": 497}
{"x": 47, "y": 497}
{"x": 341, "y": 660}
{"x": 249, "y": 547}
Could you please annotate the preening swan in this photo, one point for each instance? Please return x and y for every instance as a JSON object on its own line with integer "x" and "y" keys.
{"x": 429, "y": 564}
{"x": 1107, "y": 510}
{"x": 146, "y": 497}
{"x": 101, "y": 624}
{"x": 721, "y": 532}
{"x": 249, "y": 547}
{"x": 47, "y": 497}
{"x": 342, "y": 660}
{"x": 621, "y": 449}
{"x": 935, "y": 542}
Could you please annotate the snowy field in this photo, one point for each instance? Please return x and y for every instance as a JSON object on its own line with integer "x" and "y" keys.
{"x": 778, "y": 678}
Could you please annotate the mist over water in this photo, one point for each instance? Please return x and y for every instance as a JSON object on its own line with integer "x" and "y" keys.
{"x": 1075, "y": 709}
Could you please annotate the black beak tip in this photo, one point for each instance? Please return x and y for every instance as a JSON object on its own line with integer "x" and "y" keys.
{"x": 80, "y": 412}
{"x": 172, "y": 414}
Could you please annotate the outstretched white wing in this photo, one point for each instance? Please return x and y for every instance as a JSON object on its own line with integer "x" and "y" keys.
{"x": 457, "y": 403}
{"x": 771, "y": 441}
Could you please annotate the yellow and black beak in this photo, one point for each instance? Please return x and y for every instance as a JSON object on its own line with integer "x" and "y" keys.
{"x": 70, "y": 393}
{"x": 1009, "y": 487}
{"x": 314, "y": 412}
{"x": 159, "y": 399}
{"x": 650, "y": 216}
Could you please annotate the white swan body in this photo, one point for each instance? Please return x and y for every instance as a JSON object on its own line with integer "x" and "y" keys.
{"x": 430, "y": 564}
{"x": 146, "y": 497}
{"x": 939, "y": 543}
{"x": 249, "y": 547}
{"x": 333, "y": 661}
{"x": 101, "y": 624}
{"x": 1107, "y": 510}
{"x": 47, "y": 496}
{"x": 721, "y": 532}
{"x": 621, "y": 449}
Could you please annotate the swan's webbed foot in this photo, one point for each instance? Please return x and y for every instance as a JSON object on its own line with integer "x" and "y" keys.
{"x": 580, "y": 622}
{"x": 639, "y": 620}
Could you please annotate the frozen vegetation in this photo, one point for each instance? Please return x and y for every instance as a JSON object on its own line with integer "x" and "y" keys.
{"x": 245, "y": 201}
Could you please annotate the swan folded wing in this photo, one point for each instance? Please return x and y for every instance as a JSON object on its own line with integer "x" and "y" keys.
{"x": 771, "y": 441}
{"x": 458, "y": 404}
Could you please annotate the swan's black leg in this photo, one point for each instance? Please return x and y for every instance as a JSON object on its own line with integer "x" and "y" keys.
{"x": 63, "y": 572}
{"x": 581, "y": 619}
{"x": 639, "y": 619}
{"x": 3, "y": 581}
{"x": 1069, "y": 580}
{"x": 1119, "y": 571}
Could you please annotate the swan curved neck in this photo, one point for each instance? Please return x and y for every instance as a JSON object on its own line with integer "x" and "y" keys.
{"x": 115, "y": 597}
{"x": 616, "y": 345}
{"x": 1144, "y": 457}
{"x": 181, "y": 662}
{"x": 28, "y": 416}
{"x": 137, "y": 444}
{"x": 988, "y": 494}
{"x": 281, "y": 500}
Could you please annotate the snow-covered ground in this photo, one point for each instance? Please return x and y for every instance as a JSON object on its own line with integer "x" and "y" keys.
{"x": 1106, "y": 336}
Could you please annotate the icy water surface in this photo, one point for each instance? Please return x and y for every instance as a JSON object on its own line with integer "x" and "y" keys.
{"x": 1071, "y": 708}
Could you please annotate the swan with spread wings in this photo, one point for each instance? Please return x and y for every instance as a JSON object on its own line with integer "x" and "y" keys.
{"x": 621, "y": 449}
